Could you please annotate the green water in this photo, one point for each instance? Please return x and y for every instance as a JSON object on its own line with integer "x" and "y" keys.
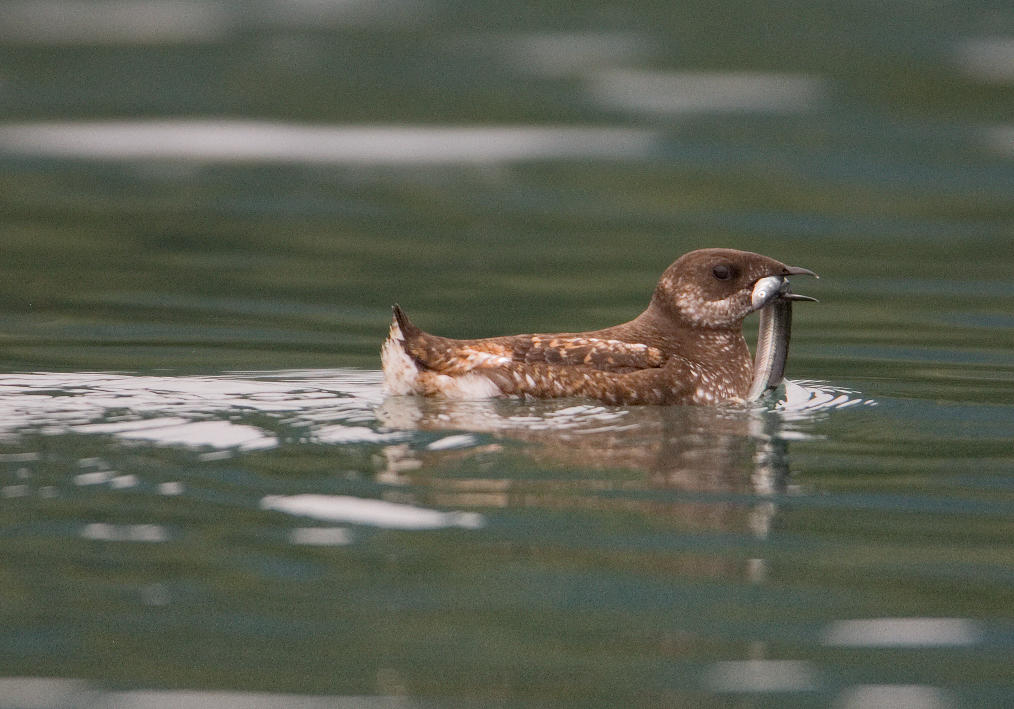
{"x": 189, "y": 344}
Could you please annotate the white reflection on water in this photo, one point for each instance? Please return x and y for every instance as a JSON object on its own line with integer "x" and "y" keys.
{"x": 331, "y": 406}
{"x": 903, "y": 632}
{"x": 19, "y": 457}
{"x": 558, "y": 54}
{"x": 894, "y": 696}
{"x": 121, "y": 482}
{"x": 320, "y": 536}
{"x": 1000, "y": 140}
{"x": 804, "y": 398}
{"x": 170, "y": 489}
{"x": 102, "y": 532}
{"x": 374, "y": 513}
{"x": 96, "y": 478}
{"x": 773, "y": 676}
{"x": 140, "y": 22}
{"x": 707, "y": 452}
{"x": 799, "y": 401}
{"x": 786, "y": 676}
{"x": 451, "y": 442}
{"x": 754, "y": 676}
{"x": 19, "y": 490}
{"x": 60, "y": 693}
{"x": 678, "y": 92}
{"x": 171, "y": 429}
{"x": 318, "y": 406}
{"x": 261, "y": 141}
{"x": 989, "y": 59}
{"x": 113, "y": 21}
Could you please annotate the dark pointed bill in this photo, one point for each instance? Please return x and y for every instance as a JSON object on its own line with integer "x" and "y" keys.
{"x": 765, "y": 290}
{"x": 799, "y": 271}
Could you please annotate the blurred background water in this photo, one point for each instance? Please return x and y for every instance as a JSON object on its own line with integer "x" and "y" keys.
{"x": 207, "y": 209}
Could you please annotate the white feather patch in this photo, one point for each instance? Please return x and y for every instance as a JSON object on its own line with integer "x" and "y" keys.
{"x": 477, "y": 358}
{"x": 401, "y": 373}
{"x": 468, "y": 386}
{"x": 400, "y": 370}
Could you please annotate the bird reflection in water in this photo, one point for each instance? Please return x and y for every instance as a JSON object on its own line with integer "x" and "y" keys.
{"x": 714, "y": 470}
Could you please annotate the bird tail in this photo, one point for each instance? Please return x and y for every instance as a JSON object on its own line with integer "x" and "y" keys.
{"x": 401, "y": 370}
{"x": 408, "y": 329}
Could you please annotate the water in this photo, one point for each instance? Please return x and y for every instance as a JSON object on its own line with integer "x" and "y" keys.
{"x": 207, "y": 209}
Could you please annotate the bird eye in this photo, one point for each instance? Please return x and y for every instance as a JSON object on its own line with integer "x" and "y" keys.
{"x": 722, "y": 272}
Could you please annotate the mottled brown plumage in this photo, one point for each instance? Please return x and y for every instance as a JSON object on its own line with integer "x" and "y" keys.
{"x": 686, "y": 347}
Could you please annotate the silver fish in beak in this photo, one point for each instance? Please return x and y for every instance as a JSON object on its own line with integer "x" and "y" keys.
{"x": 772, "y": 297}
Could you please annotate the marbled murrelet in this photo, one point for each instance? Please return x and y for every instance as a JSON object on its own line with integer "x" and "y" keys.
{"x": 687, "y": 347}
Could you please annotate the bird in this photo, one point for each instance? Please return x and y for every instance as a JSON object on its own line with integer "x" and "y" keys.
{"x": 686, "y": 347}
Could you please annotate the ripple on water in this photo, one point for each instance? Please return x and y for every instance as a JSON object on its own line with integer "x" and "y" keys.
{"x": 336, "y": 407}
{"x": 194, "y": 411}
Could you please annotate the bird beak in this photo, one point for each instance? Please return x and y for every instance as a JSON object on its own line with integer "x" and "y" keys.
{"x": 771, "y": 288}
{"x": 798, "y": 271}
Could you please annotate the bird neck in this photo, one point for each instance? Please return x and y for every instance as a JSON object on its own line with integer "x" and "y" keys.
{"x": 658, "y": 325}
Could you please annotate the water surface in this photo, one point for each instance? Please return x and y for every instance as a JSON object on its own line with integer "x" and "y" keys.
{"x": 207, "y": 210}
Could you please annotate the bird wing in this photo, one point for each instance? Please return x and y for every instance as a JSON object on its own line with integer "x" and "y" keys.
{"x": 586, "y": 350}
{"x": 453, "y": 357}
{"x": 610, "y": 370}
{"x": 668, "y": 384}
